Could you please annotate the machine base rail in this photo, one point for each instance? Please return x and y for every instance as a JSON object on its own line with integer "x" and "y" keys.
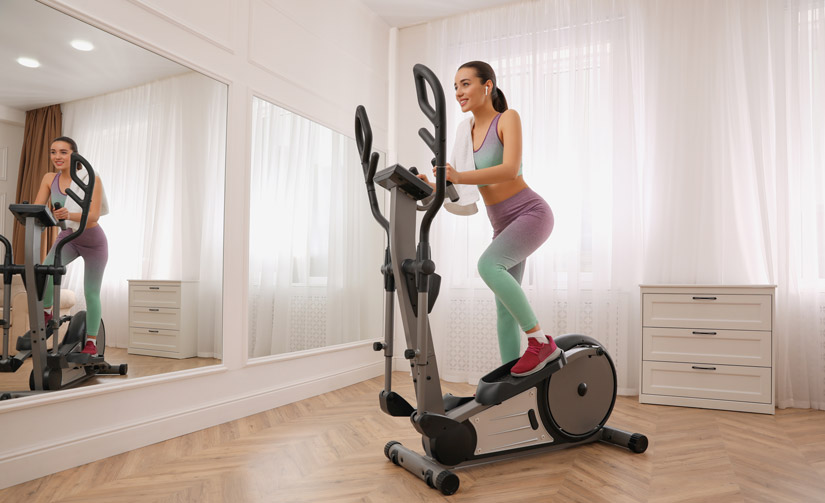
{"x": 435, "y": 475}
{"x": 441, "y": 478}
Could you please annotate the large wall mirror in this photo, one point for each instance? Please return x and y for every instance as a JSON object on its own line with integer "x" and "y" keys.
{"x": 314, "y": 252}
{"x": 155, "y": 132}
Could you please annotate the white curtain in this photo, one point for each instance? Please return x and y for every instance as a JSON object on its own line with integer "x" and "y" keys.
{"x": 159, "y": 149}
{"x": 734, "y": 164}
{"x": 677, "y": 142}
{"x": 314, "y": 249}
{"x": 565, "y": 66}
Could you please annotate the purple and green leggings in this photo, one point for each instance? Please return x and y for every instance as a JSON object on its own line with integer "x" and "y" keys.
{"x": 521, "y": 224}
{"x": 93, "y": 246}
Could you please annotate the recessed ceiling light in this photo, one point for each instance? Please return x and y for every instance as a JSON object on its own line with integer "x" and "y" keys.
{"x": 82, "y": 45}
{"x": 29, "y": 62}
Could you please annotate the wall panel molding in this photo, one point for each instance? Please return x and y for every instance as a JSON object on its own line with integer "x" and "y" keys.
{"x": 221, "y": 10}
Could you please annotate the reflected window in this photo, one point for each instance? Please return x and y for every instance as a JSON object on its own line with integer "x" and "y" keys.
{"x": 315, "y": 252}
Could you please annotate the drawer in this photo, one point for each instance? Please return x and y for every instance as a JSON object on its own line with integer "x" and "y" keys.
{"x": 154, "y": 295}
{"x": 734, "y": 312}
{"x": 154, "y": 340}
{"x": 718, "y": 382}
{"x": 731, "y": 347}
{"x": 154, "y": 317}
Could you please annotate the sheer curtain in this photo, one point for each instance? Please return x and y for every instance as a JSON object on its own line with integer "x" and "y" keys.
{"x": 565, "y": 66}
{"x": 677, "y": 142}
{"x": 735, "y": 166}
{"x": 159, "y": 149}
{"x": 314, "y": 249}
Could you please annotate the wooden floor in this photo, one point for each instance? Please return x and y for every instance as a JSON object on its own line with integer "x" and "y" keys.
{"x": 139, "y": 366}
{"x": 330, "y": 448}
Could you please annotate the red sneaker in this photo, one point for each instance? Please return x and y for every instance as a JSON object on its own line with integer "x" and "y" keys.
{"x": 90, "y": 348}
{"x": 47, "y": 317}
{"x": 536, "y": 357}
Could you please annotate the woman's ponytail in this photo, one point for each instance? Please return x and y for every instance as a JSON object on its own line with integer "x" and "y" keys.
{"x": 499, "y": 101}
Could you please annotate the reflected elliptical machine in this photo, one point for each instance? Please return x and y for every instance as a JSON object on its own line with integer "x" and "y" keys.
{"x": 564, "y": 405}
{"x": 64, "y": 366}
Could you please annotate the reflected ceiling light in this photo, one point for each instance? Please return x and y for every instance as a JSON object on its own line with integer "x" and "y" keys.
{"x": 29, "y": 62}
{"x": 82, "y": 45}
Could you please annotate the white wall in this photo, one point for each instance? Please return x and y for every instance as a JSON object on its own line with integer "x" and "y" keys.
{"x": 11, "y": 143}
{"x": 411, "y": 150}
{"x": 318, "y": 58}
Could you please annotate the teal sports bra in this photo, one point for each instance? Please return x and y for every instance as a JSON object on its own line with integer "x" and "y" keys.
{"x": 491, "y": 151}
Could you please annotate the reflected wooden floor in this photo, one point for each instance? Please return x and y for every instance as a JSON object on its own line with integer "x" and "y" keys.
{"x": 330, "y": 448}
{"x": 139, "y": 366}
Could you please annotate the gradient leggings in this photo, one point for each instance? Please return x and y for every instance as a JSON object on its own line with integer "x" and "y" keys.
{"x": 93, "y": 246}
{"x": 521, "y": 224}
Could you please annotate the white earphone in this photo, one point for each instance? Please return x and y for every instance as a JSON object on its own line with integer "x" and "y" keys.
{"x": 486, "y": 89}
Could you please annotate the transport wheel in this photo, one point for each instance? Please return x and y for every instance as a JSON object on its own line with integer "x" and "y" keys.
{"x": 447, "y": 482}
{"x": 580, "y": 396}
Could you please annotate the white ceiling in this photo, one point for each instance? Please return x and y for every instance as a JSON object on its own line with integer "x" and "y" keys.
{"x": 403, "y": 13}
{"x": 31, "y": 29}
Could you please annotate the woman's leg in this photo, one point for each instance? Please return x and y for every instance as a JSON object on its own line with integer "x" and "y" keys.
{"x": 509, "y": 335}
{"x": 68, "y": 255}
{"x": 510, "y": 247}
{"x": 95, "y": 256}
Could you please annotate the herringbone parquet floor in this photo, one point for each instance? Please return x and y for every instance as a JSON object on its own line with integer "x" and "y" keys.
{"x": 330, "y": 448}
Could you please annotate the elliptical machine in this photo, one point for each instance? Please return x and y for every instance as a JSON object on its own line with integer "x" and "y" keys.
{"x": 564, "y": 405}
{"x": 64, "y": 366}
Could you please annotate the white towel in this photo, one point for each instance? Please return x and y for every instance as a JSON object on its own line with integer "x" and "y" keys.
{"x": 462, "y": 160}
{"x": 73, "y": 207}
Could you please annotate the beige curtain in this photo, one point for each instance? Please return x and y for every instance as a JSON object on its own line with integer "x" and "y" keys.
{"x": 42, "y": 126}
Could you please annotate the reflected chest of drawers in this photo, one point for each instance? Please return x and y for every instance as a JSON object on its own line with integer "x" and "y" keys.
{"x": 708, "y": 347}
{"x": 162, "y": 318}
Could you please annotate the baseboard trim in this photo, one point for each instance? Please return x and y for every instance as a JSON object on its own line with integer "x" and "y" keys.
{"x": 24, "y": 465}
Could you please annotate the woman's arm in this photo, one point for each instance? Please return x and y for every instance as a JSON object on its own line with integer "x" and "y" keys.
{"x": 45, "y": 190}
{"x": 509, "y": 129}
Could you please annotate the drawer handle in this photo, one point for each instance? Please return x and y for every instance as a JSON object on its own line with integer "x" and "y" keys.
{"x": 154, "y": 331}
{"x": 154, "y": 288}
{"x": 696, "y": 367}
{"x": 704, "y": 298}
{"x": 154, "y": 309}
{"x": 704, "y": 333}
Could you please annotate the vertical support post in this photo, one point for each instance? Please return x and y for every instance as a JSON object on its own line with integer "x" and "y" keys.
{"x": 389, "y": 327}
{"x": 36, "y": 322}
{"x": 402, "y": 246}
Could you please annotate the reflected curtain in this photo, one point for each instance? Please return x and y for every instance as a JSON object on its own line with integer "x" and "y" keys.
{"x": 159, "y": 149}
{"x": 313, "y": 249}
{"x": 566, "y": 67}
{"x": 41, "y": 127}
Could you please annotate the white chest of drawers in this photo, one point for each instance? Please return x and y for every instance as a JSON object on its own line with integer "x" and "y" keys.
{"x": 162, "y": 318}
{"x": 708, "y": 347}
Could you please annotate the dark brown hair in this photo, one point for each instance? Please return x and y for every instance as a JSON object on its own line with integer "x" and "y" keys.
{"x": 485, "y": 72}
{"x": 69, "y": 141}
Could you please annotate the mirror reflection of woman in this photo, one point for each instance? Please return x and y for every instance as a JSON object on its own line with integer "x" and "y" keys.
{"x": 522, "y": 221}
{"x": 92, "y": 245}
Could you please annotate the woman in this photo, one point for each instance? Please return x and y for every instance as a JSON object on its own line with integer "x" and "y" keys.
{"x": 91, "y": 245}
{"x": 521, "y": 219}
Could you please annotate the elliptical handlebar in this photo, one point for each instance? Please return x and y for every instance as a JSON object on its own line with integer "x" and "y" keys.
{"x": 85, "y": 203}
{"x": 437, "y": 143}
{"x": 369, "y": 162}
